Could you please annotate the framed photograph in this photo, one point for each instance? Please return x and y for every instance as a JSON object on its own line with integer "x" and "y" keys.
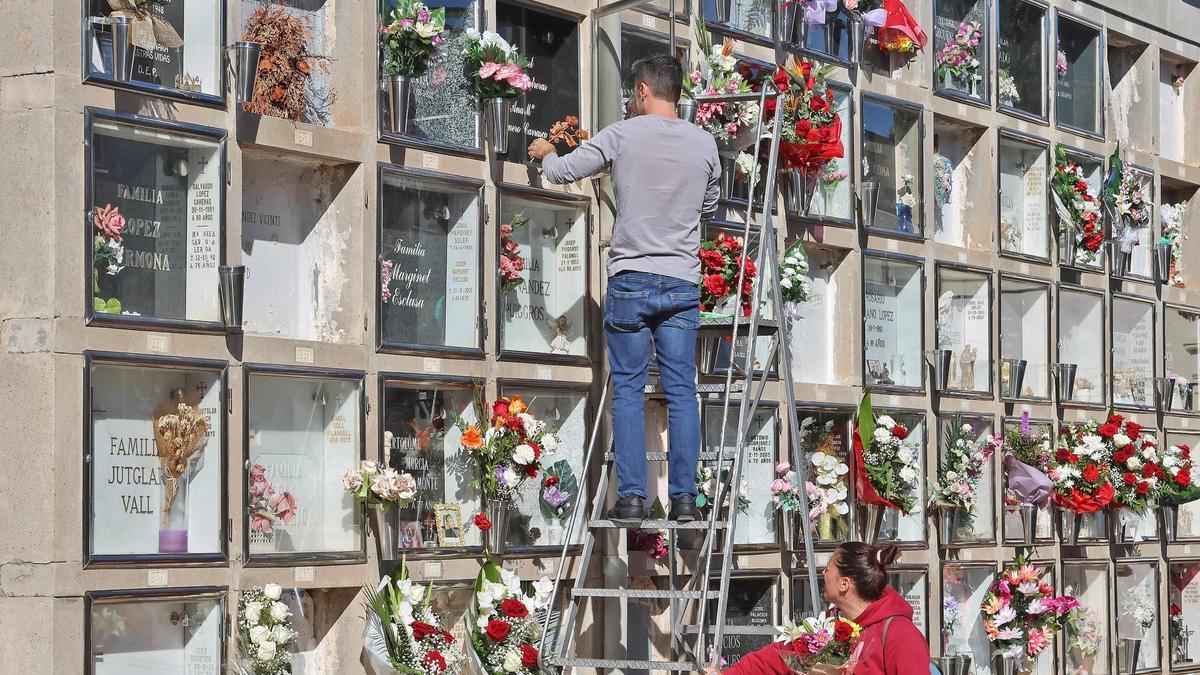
{"x": 449, "y": 524}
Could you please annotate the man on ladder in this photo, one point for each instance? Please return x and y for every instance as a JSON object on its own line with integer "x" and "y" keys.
{"x": 665, "y": 174}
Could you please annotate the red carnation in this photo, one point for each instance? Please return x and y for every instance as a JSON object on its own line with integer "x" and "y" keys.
{"x": 482, "y": 522}
{"x": 529, "y": 656}
{"x": 1130, "y": 479}
{"x": 1143, "y": 488}
{"x": 422, "y": 630}
{"x": 550, "y": 481}
{"x": 900, "y": 432}
{"x": 806, "y": 68}
{"x": 1081, "y": 186}
{"x": 1149, "y": 470}
{"x": 842, "y": 631}
{"x": 1073, "y": 458}
{"x": 531, "y": 470}
{"x": 716, "y": 285}
{"x": 1184, "y": 478}
{"x": 1175, "y": 610}
{"x": 514, "y": 608}
{"x": 1091, "y": 473}
{"x": 500, "y": 408}
{"x": 1109, "y": 430}
{"x": 1062, "y": 456}
{"x": 1121, "y": 456}
{"x": 447, "y": 637}
{"x": 497, "y": 629}
{"x": 432, "y": 658}
{"x": 818, "y": 104}
{"x": 712, "y": 259}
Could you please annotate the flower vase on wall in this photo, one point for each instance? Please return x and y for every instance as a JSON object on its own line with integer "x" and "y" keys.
{"x": 905, "y": 213}
{"x": 173, "y": 528}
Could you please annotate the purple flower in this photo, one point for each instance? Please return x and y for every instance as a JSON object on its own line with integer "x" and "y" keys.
{"x": 1025, "y": 423}
{"x": 499, "y": 474}
{"x": 406, "y": 23}
{"x": 422, "y": 15}
{"x": 555, "y": 497}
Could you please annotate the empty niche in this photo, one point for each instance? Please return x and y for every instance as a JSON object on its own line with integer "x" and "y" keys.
{"x": 1177, "y": 215}
{"x": 299, "y": 246}
{"x": 956, "y": 166}
{"x": 1131, "y": 76}
{"x": 1175, "y": 92}
{"x": 820, "y": 337}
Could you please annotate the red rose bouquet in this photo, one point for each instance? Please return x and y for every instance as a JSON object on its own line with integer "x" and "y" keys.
{"x": 811, "y": 128}
{"x": 1080, "y": 467}
{"x": 818, "y": 644}
{"x": 1077, "y": 206}
{"x": 719, "y": 263}
{"x": 504, "y": 622}
{"x": 1178, "y": 487}
{"x": 1136, "y": 476}
{"x": 404, "y": 633}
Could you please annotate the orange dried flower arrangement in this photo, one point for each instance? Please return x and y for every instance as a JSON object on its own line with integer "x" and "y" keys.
{"x": 286, "y": 64}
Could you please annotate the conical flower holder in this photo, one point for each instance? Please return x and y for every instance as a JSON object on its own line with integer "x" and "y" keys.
{"x": 399, "y": 103}
{"x": 1068, "y": 526}
{"x": 1162, "y": 262}
{"x": 858, "y": 39}
{"x": 495, "y": 114}
{"x": 870, "y": 522}
{"x": 1168, "y": 522}
{"x": 122, "y": 58}
{"x": 945, "y": 664}
{"x": 1120, "y": 259}
{"x": 949, "y": 521}
{"x": 788, "y": 14}
{"x": 686, "y": 109}
{"x": 1068, "y": 246}
{"x": 868, "y": 195}
{"x": 1029, "y": 516}
{"x": 941, "y": 367}
{"x": 1131, "y": 649}
{"x": 1186, "y": 392}
{"x": 246, "y": 56}
{"x": 1164, "y": 388}
{"x": 495, "y": 539}
{"x": 960, "y": 664}
{"x": 231, "y": 291}
{"x": 1121, "y": 531}
{"x": 1064, "y": 381}
{"x": 801, "y": 188}
{"x": 384, "y": 526}
{"x": 728, "y": 174}
{"x": 789, "y": 529}
{"x": 1016, "y": 377}
{"x": 1007, "y": 664}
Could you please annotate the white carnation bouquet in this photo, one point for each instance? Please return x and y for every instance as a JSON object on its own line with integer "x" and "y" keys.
{"x": 793, "y": 275}
{"x": 265, "y": 631}
{"x": 505, "y": 621}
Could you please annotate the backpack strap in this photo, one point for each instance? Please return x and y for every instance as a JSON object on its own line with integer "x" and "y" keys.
{"x": 883, "y": 643}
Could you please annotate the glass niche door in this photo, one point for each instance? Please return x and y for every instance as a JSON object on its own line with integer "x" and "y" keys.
{"x": 892, "y": 156}
{"x": 892, "y": 323}
{"x": 825, "y": 442}
{"x": 1024, "y": 198}
{"x": 1088, "y": 637}
{"x": 1138, "y": 615}
{"x": 1024, "y": 339}
{"x": 756, "y": 516}
{"x": 303, "y": 432}
{"x": 961, "y": 30}
{"x": 543, "y": 277}
{"x": 1079, "y": 373}
{"x": 430, "y": 262}
{"x": 1021, "y": 56}
{"x": 1181, "y": 358}
{"x": 1132, "y": 352}
{"x": 1077, "y": 68}
{"x": 1183, "y": 612}
{"x": 964, "y": 327}
{"x": 168, "y": 631}
{"x": 154, "y": 220}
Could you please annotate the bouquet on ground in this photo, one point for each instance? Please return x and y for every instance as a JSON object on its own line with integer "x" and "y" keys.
{"x": 886, "y": 462}
{"x": 794, "y": 281}
{"x": 509, "y": 450}
{"x": 1027, "y": 461}
{"x": 404, "y": 632}
{"x": 511, "y": 262}
{"x": 410, "y": 39}
{"x": 504, "y": 621}
{"x": 1021, "y": 612}
{"x": 380, "y": 487}
{"x": 720, "y": 260}
{"x": 265, "y": 631}
{"x": 959, "y": 474}
{"x": 818, "y": 644}
{"x": 495, "y": 68}
{"x": 1080, "y": 468}
{"x": 1136, "y": 474}
{"x": 266, "y": 505}
{"x": 1077, "y": 206}
{"x": 958, "y": 59}
{"x": 732, "y": 124}
{"x": 1178, "y": 488}
{"x": 1173, "y": 222}
{"x": 810, "y": 126}
{"x": 1125, "y": 194}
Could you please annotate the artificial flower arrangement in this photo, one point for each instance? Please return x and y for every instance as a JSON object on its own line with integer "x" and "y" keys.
{"x": 1080, "y": 467}
{"x": 1177, "y": 82}
{"x": 1136, "y": 474}
{"x": 1021, "y": 612}
{"x": 720, "y": 259}
{"x": 1141, "y": 609}
{"x": 1060, "y": 60}
{"x": 827, "y": 489}
{"x": 830, "y": 178}
{"x": 384, "y": 487}
{"x": 1007, "y": 87}
{"x": 906, "y": 201}
{"x": 886, "y": 463}
{"x": 495, "y": 68}
{"x": 960, "y": 472}
{"x": 706, "y": 489}
{"x": 1077, "y": 206}
{"x": 1173, "y": 222}
{"x": 404, "y": 633}
{"x": 267, "y": 506}
{"x": 818, "y": 644}
{"x": 410, "y": 39}
{"x": 1027, "y": 459}
{"x": 265, "y": 631}
{"x": 283, "y": 88}
{"x": 559, "y": 490}
{"x": 108, "y": 253}
{"x": 1125, "y": 196}
{"x": 1084, "y": 633}
{"x": 794, "y": 281}
{"x": 511, "y": 262}
{"x": 895, "y": 29}
{"x": 732, "y": 124}
{"x": 811, "y": 127}
{"x": 952, "y": 617}
{"x": 958, "y": 59}
{"x": 568, "y": 132}
{"x": 943, "y": 179}
{"x": 508, "y": 451}
{"x": 1178, "y": 487}
{"x": 504, "y": 623}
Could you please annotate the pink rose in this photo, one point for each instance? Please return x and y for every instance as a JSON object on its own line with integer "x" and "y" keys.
{"x": 284, "y": 505}
{"x": 782, "y": 467}
{"x": 507, "y": 270}
{"x": 505, "y": 229}
{"x": 259, "y": 523}
{"x": 524, "y": 83}
{"x": 488, "y": 69}
{"x": 731, "y": 128}
{"x": 506, "y": 71}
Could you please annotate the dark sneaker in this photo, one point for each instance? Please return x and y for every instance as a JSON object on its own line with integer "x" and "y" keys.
{"x": 683, "y": 510}
{"x": 629, "y": 510}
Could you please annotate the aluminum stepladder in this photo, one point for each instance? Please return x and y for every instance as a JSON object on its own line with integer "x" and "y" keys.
{"x": 689, "y": 649}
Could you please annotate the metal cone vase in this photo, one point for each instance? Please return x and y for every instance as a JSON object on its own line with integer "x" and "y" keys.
{"x": 232, "y": 280}
{"x": 1168, "y": 522}
{"x": 399, "y": 103}
{"x": 941, "y": 368}
{"x": 1016, "y": 376}
{"x": 495, "y": 114}
{"x": 1029, "y": 515}
{"x": 245, "y": 58}
{"x": 495, "y": 539}
{"x": 686, "y": 109}
{"x": 868, "y": 203}
{"x": 1162, "y": 262}
{"x": 858, "y": 38}
{"x": 870, "y": 522}
{"x": 122, "y": 58}
{"x": 1068, "y": 526}
{"x": 1164, "y": 388}
{"x": 1064, "y": 381}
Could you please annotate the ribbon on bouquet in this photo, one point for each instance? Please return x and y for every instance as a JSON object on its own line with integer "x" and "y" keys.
{"x": 1063, "y": 212}
{"x": 815, "y": 10}
{"x": 1027, "y": 483}
{"x": 899, "y": 20}
{"x": 862, "y": 482}
{"x": 147, "y": 29}
{"x": 1085, "y": 503}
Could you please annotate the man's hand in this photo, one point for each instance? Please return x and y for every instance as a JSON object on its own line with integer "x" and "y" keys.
{"x": 539, "y": 148}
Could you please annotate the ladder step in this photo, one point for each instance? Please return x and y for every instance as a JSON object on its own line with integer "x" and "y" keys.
{"x": 656, "y": 389}
{"x": 644, "y": 593}
{"x": 722, "y": 327}
{"x": 622, "y": 664}
{"x": 656, "y": 525}
{"x": 662, "y": 456}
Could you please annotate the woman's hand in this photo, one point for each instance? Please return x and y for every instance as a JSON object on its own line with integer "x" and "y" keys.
{"x": 712, "y": 671}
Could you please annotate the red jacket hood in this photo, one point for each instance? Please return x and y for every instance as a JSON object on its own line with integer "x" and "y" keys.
{"x": 889, "y": 604}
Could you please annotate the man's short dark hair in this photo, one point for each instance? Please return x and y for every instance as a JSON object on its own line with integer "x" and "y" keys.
{"x": 662, "y": 73}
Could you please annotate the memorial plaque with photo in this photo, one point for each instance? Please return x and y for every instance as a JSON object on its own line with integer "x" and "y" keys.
{"x": 1023, "y": 198}
{"x": 1020, "y": 56}
{"x": 892, "y": 155}
{"x": 302, "y": 434}
{"x": 420, "y": 438}
{"x": 756, "y": 520}
{"x": 140, "y": 505}
{"x": 1081, "y": 342}
{"x": 546, "y": 313}
{"x": 551, "y": 43}
{"x": 1183, "y": 597}
{"x": 948, "y": 15}
{"x": 539, "y": 517}
{"x": 1077, "y": 70}
{"x": 176, "y": 45}
{"x": 1132, "y": 352}
{"x": 892, "y": 330}
{"x": 429, "y": 263}
{"x": 156, "y": 254}
{"x": 444, "y": 109}
{"x": 160, "y": 634}
{"x": 750, "y": 616}
{"x": 964, "y": 326}
{"x": 1024, "y": 336}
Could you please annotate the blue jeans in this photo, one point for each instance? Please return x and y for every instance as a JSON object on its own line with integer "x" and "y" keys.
{"x": 639, "y": 306}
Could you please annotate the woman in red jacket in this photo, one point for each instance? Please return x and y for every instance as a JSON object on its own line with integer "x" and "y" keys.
{"x": 856, "y": 583}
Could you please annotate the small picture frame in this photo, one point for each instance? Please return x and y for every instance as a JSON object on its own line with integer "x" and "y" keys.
{"x": 449, "y": 525}
{"x": 410, "y": 536}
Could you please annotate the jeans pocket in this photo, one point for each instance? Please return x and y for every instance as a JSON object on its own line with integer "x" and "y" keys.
{"x": 624, "y": 309}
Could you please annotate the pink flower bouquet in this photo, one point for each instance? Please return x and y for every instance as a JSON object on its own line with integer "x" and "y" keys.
{"x": 1021, "y": 612}
{"x": 494, "y": 66}
{"x": 266, "y": 505}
